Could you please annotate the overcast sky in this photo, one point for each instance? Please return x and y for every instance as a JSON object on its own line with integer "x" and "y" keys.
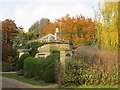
{"x": 26, "y": 12}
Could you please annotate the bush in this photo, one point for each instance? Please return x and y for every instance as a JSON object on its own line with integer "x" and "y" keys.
{"x": 77, "y": 72}
{"x": 20, "y": 62}
{"x": 38, "y": 66}
{"x": 33, "y": 65}
{"x": 49, "y": 61}
{"x": 49, "y": 75}
{"x": 74, "y": 74}
{"x": 103, "y": 64}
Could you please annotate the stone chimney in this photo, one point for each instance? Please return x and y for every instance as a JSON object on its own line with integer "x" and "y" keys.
{"x": 57, "y": 34}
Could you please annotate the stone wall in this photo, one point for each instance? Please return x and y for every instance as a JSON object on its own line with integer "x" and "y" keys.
{"x": 60, "y": 46}
{"x": 45, "y": 49}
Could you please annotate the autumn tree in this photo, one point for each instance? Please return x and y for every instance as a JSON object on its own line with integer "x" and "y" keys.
{"x": 9, "y": 32}
{"x": 78, "y": 30}
{"x": 37, "y": 27}
{"x": 50, "y": 28}
{"x": 106, "y": 17}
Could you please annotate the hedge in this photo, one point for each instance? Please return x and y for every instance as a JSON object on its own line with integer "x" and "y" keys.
{"x": 40, "y": 66}
{"x": 20, "y": 62}
{"x": 33, "y": 65}
{"x": 49, "y": 75}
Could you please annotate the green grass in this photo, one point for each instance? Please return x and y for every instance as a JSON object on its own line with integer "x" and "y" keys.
{"x": 91, "y": 86}
{"x": 26, "y": 80}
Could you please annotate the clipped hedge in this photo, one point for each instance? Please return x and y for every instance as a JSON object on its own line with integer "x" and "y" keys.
{"x": 49, "y": 75}
{"x": 39, "y": 67}
{"x": 49, "y": 61}
{"x": 33, "y": 65}
{"x": 20, "y": 62}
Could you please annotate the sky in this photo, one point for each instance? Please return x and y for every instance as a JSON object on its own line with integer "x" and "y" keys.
{"x": 27, "y": 12}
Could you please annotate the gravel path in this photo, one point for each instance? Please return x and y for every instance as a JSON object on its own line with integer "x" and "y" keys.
{"x": 12, "y": 83}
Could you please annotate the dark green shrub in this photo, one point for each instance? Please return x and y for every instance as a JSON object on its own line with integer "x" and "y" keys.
{"x": 49, "y": 75}
{"x": 33, "y": 65}
{"x": 20, "y": 62}
{"x": 38, "y": 66}
{"x": 50, "y": 61}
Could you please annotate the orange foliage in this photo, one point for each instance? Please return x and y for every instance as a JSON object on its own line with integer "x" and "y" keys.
{"x": 76, "y": 29}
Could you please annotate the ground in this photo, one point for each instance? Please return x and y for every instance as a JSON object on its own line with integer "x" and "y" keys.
{"x": 12, "y": 83}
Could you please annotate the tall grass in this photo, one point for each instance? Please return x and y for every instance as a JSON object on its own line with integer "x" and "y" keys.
{"x": 98, "y": 59}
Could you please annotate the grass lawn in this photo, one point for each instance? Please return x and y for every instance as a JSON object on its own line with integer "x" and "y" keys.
{"x": 91, "y": 86}
{"x": 26, "y": 80}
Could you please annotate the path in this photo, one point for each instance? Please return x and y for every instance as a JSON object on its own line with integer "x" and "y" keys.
{"x": 12, "y": 83}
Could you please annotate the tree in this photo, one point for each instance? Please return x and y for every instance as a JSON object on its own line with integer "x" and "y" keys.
{"x": 23, "y": 38}
{"x": 78, "y": 30}
{"x": 107, "y": 25}
{"x": 37, "y": 27}
{"x": 9, "y": 32}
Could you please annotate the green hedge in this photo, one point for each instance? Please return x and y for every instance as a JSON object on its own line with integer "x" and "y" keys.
{"x": 40, "y": 66}
{"x": 49, "y": 75}
{"x": 49, "y": 61}
{"x": 33, "y": 65}
{"x": 20, "y": 62}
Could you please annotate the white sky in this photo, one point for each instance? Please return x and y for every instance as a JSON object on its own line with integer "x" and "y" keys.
{"x": 26, "y": 12}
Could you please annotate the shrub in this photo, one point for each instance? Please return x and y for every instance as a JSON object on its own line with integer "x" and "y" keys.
{"x": 49, "y": 75}
{"x": 20, "y": 62}
{"x": 33, "y": 65}
{"x": 77, "y": 72}
{"x": 38, "y": 66}
{"x": 74, "y": 73}
{"x": 103, "y": 64}
{"x": 50, "y": 60}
